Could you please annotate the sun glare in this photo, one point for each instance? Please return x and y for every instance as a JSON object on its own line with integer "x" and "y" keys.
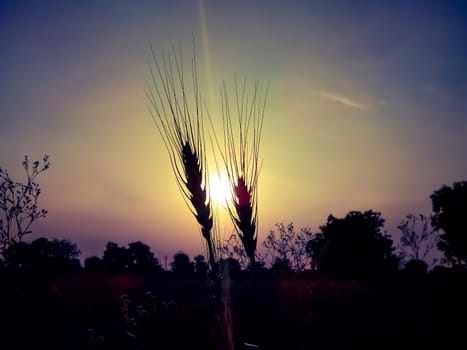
{"x": 220, "y": 189}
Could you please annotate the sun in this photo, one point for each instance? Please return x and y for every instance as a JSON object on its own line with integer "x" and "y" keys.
{"x": 220, "y": 189}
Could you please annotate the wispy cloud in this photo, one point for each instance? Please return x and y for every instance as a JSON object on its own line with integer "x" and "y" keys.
{"x": 344, "y": 100}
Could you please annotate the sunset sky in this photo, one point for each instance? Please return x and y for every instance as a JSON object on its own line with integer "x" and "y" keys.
{"x": 367, "y": 109}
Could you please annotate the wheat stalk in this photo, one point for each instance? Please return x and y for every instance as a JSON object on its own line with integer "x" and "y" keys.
{"x": 176, "y": 109}
{"x": 241, "y": 157}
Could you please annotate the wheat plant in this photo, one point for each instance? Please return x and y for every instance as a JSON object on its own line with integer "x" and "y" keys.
{"x": 240, "y": 152}
{"x": 176, "y": 108}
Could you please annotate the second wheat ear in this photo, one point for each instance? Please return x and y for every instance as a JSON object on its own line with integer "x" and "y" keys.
{"x": 240, "y": 152}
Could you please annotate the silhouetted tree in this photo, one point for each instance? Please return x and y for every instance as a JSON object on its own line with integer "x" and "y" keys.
{"x": 450, "y": 216}
{"x": 136, "y": 258}
{"x": 418, "y": 238}
{"x": 231, "y": 266}
{"x": 142, "y": 259}
{"x": 18, "y": 255}
{"x": 19, "y": 203}
{"x": 116, "y": 259}
{"x": 354, "y": 245}
{"x": 201, "y": 267}
{"x": 61, "y": 249}
{"x": 93, "y": 263}
{"x": 181, "y": 265}
{"x": 288, "y": 247}
{"x": 42, "y": 254}
{"x": 416, "y": 268}
{"x": 281, "y": 265}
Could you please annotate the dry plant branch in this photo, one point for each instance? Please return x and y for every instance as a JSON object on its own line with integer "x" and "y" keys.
{"x": 19, "y": 203}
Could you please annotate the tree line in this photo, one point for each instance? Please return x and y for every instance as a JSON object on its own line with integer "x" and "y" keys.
{"x": 354, "y": 245}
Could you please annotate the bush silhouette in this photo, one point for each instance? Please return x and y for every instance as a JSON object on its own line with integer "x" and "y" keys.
{"x": 43, "y": 255}
{"x": 449, "y": 215}
{"x": 353, "y": 246}
{"x": 137, "y": 258}
{"x": 182, "y": 266}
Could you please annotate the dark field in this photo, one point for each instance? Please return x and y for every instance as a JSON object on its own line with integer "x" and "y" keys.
{"x": 86, "y": 310}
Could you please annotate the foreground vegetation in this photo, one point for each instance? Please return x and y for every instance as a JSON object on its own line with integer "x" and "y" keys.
{"x": 73, "y": 308}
